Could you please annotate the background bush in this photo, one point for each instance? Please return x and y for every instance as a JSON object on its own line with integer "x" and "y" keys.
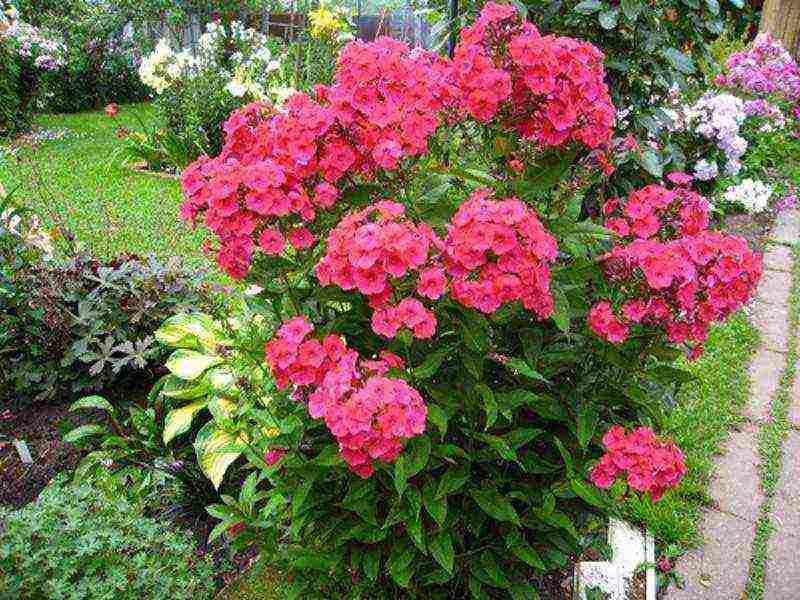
{"x": 82, "y": 324}
{"x": 73, "y": 542}
{"x": 12, "y": 113}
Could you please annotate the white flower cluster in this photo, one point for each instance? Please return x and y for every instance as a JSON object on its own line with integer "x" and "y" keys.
{"x": 250, "y": 69}
{"x": 752, "y": 194}
{"x": 719, "y": 117}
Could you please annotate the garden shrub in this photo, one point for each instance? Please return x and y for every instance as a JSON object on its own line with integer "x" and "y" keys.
{"x": 11, "y": 117}
{"x": 100, "y": 64}
{"x": 195, "y": 93}
{"x": 453, "y": 324}
{"x": 30, "y": 53}
{"x": 74, "y": 542}
{"x": 76, "y": 325}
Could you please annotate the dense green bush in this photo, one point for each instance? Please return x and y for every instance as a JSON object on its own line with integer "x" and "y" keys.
{"x": 73, "y": 542}
{"x": 80, "y": 324}
{"x": 12, "y": 116}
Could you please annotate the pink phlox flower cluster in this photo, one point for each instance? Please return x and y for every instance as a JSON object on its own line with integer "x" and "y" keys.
{"x": 763, "y": 69}
{"x": 369, "y": 413}
{"x": 655, "y": 211}
{"x": 547, "y": 88}
{"x": 681, "y": 283}
{"x": 496, "y": 252}
{"x": 369, "y": 249}
{"x": 278, "y": 168}
{"x": 649, "y": 464}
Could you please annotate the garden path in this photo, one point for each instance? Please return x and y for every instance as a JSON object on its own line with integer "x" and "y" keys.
{"x": 752, "y": 534}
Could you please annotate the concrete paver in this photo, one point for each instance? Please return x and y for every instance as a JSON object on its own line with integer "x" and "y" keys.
{"x": 765, "y": 373}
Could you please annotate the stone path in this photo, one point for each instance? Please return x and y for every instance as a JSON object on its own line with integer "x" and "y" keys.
{"x": 719, "y": 570}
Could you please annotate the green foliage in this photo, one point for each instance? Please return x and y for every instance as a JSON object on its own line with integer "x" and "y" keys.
{"x": 73, "y": 542}
{"x": 79, "y": 325}
{"x": 13, "y": 113}
{"x": 649, "y": 47}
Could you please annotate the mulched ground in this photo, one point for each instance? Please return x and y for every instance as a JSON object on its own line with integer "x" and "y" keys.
{"x": 41, "y": 428}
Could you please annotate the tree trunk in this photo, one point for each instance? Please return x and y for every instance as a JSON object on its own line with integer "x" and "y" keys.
{"x": 781, "y": 18}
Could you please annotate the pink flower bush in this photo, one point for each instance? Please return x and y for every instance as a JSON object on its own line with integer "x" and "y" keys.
{"x": 648, "y": 464}
{"x": 680, "y": 277}
{"x": 763, "y": 69}
{"x": 547, "y": 88}
{"x": 279, "y": 168}
{"x": 368, "y": 413}
{"x": 496, "y": 252}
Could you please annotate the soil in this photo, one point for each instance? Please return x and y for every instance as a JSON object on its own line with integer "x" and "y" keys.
{"x": 41, "y": 428}
{"x": 637, "y": 587}
{"x": 142, "y": 168}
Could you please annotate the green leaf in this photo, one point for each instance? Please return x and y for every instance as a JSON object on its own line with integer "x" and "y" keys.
{"x": 189, "y": 331}
{"x": 588, "y": 7}
{"x": 738, "y": 3}
{"x": 84, "y": 431}
{"x": 523, "y": 550}
{"x": 441, "y": 547}
{"x": 400, "y": 476}
{"x": 632, "y": 9}
{"x": 438, "y": 417}
{"x": 523, "y": 591}
{"x": 180, "y": 389}
{"x": 651, "y": 163}
{"x": 212, "y": 447}
{"x": 372, "y": 562}
{"x": 588, "y": 493}
{"x": 430, "y": 365}
{"x": 489, "y": 403}
{"x": 561, "y": 316}
{"x": 587, "y": 422}
{"x": 329, "y": 456}
{"x": 679, "y": 60}
{"x": 190, "y": 364}
{"x": 608, "y": 18}
{"x": 495, "y": 505}
{"x": 713, "y": 6}
{"x": 519, "y": 366}
{"x": 93, "y": 402}
{"x": 436, "y": 507}
{"x": 400, "y": 562}
{"x": 453, "y": 479}
{"x": 417, "y": 453}
{"x": 179, "y": 421}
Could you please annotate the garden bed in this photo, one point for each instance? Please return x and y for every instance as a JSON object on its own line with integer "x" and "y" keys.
{"x": 41, "y": 428}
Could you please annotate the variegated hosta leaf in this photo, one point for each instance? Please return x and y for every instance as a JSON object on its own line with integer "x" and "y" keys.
{"x": 221, "y": 408}
{"x": 92, "y": 402}
{"x": 193, "y": 330}
{"x": 179, "y": 420}
{"x": 215, "y": 451}
{"x": 180, "y": 389}
{"x": 190, "y": 364}
{"x": 222, "y": 380}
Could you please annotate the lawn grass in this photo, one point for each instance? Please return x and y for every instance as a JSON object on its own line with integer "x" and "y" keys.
{"x": 83, "y": 182}
{"x": 706, "y": 410}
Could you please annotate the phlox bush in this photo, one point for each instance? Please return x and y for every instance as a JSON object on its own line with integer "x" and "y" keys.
{"x": 458, "y": 315}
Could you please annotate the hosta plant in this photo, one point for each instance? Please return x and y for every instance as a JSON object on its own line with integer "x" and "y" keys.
{"x": 452, "y": 322}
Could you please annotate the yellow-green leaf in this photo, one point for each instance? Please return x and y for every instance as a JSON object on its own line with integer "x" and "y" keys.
{"x": 189, "y": 331}
{"x": 180, "y": 389}
{"x": 190, "y": 364}
{"x": 214, "y": 453}
{"x": 179, "y": 421}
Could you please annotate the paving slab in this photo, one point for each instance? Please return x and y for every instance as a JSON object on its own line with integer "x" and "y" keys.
{"x": 736, "y": 483}
{"x": 774, "y": 287}
{"x": 718, "y": 570}
{"x": 778, "y": 257}
{"x": 771, "y": 320}
{"x": 783, "y": 550}
{"x": 787, "y": 227}
{"x": 765, "y": 374}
